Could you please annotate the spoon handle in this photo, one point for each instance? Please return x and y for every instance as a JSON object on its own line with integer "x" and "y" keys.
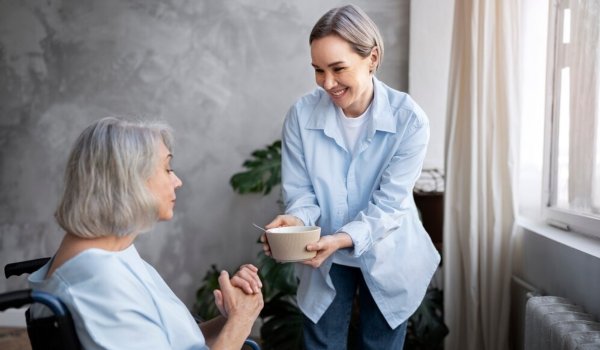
{"x": 258, "y": 227}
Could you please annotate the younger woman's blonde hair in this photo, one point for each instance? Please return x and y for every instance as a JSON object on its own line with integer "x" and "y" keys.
{"x": 105, "y": 180}
{"x": 353, "y": 25}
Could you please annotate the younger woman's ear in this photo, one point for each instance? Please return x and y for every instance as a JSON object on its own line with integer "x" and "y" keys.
{"x": 374, "y": 57}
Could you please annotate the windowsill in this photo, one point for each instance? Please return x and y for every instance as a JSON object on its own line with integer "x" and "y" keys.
{"x": 583, "y": 243}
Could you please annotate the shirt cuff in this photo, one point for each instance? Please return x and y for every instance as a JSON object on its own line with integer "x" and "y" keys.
{"x": 303, "y": 215}
{"x": 361, "y": 236}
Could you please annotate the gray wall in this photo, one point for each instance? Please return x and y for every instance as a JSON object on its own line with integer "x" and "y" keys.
{"x": 222, "y": 73}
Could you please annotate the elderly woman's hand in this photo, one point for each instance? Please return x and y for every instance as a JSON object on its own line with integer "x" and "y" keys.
{"x": 235, "y": 303}
{"x": 245, "y": 279}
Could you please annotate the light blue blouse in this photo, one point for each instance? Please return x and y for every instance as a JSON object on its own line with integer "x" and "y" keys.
{"x": 369, "y": 196}
{"x": 118, "y": 301}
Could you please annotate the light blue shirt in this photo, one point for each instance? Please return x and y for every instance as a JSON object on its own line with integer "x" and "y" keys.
{"x": 369, "y": 196}
{"x": 118, "y": 301}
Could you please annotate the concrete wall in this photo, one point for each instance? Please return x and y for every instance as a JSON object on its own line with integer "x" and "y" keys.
{"x": 429, "y": 62}
{"x": 222, "y": 73}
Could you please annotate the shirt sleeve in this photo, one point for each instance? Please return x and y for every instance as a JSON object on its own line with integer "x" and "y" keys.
{"x": 393, "y": 199}
{"x": 298, "y": 193}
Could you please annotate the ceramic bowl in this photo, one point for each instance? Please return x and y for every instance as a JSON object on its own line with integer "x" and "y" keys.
{"x": 289, "y": 243}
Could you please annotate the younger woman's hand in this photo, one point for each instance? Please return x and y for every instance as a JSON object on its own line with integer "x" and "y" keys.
{"x": 280, "y": 220}
{"x": 326, "y": 246}
{"x": 284, "y": 220}
{"x": 265, "y": 244}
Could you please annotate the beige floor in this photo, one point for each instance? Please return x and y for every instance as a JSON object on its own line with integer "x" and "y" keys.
{"x": 14, "y": 339}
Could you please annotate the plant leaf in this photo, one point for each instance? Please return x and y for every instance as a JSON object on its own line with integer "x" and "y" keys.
{"x": 205, "y": 306}
{"x": 426, "y": 328}
{"x": 263, "y": 171}
{"x": 282, "y": 327}
{"x": 276, "y": 277}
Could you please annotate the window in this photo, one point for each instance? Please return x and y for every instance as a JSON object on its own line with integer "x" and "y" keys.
{"x": 572, "y": 135}
{"x": 533, "y": 55}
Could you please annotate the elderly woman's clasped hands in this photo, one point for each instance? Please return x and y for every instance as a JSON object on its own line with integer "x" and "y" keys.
{"x": 245, "y": 284}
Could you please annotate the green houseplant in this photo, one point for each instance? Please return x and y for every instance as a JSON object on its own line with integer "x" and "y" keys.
{"x": 282, "y": 319}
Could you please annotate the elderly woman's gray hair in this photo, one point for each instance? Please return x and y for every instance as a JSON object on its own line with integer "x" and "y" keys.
{"x": 105, "y": 180}
{"x": 353, "y": 25}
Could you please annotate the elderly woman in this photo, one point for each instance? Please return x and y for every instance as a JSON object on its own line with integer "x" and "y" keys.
{"x": 118, "y": 183}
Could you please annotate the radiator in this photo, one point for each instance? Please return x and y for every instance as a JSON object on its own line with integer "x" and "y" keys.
{"x": 555, "y": 323}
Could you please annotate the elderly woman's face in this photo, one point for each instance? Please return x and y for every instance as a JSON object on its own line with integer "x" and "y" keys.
{"x": 344, "y": 74}
{"x": 163, "y": 184}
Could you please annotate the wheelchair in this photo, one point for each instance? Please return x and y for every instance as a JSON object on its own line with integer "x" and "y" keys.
{"x": 56, "y": 332}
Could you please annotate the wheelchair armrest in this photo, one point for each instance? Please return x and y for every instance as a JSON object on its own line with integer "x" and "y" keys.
{"x": 52, "y": 302}
{"x": 252, "y": 344}
{"x": 28, "y": 266}
{"x": 23, "y": 297}
{"x": 15, "y": 299}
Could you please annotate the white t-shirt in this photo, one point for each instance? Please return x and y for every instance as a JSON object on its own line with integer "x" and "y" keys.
{"x": 353, "y": 129}
{"x": 118, "y": 301}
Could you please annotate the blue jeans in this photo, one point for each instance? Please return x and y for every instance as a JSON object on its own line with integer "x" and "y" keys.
{"x": 331, "y": 331}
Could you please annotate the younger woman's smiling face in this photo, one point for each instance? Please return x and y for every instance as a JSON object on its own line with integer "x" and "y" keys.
{"x": 345, "y": 75}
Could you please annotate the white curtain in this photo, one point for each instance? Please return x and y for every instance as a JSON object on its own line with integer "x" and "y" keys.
{"x": 481, "y": 150}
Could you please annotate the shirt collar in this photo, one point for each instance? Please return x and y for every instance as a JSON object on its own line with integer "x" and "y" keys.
{"x": 383, "y": 117}
{"x": 324, "y": 115}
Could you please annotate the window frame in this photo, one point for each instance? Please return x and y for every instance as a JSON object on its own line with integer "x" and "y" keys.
{"x": 561, "y": 218}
